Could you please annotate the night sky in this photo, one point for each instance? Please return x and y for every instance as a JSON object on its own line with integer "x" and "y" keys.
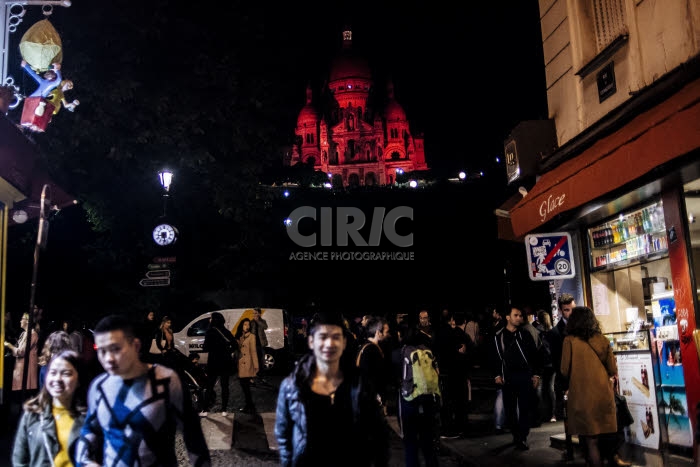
{"x": 465, "y": 76}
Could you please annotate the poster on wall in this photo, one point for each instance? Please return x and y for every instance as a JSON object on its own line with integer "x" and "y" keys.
{"x": 673, "y": 403}
{"x": 636, "y": 376}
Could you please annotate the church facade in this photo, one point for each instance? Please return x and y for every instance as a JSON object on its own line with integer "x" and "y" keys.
{"x": 347, "y": 137}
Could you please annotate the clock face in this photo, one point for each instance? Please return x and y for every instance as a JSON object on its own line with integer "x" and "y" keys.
{"x": 164, "y": 234}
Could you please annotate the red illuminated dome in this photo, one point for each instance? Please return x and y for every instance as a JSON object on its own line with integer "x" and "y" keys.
{"x": 348, "y": 64}
{"x": 308, "y": 114}
{"x": 393, "y": 110}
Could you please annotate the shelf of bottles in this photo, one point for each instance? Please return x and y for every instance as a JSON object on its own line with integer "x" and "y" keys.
{"x": 635, "y": 236}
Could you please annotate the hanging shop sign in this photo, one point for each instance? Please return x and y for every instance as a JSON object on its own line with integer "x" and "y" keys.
{"x": 550, "y": 256}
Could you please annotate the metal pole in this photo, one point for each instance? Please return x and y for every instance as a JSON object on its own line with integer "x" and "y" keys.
{"x": 3, "y": 278}
{"x": 40, "y": 243}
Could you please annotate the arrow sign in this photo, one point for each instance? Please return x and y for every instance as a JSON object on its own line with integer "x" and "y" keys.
{"x": 158, "y": 266}
{"x": 165, "y": 259}
{"x": 155, "y": 282}
{"x": 162, "y": 273}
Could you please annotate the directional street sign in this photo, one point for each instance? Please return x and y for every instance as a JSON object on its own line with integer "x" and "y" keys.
{"x": 158, "y": 266}
{"x": 165, "y": 259}
{"x": 155, "y": 282}
{"x": 162, "y": 273}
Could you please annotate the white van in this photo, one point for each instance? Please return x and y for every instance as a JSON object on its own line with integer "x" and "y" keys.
{"x": 191, "y": 337}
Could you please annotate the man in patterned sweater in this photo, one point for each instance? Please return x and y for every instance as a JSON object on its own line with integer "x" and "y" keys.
{"x": 135, "y": 408}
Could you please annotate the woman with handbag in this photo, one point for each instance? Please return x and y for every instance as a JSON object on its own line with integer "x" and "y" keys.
{"x": 589, "y": 364}
{"x": 220, "y": 344}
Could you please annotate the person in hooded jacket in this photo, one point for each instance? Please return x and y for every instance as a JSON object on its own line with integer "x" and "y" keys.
{"x": 219, "y": 343}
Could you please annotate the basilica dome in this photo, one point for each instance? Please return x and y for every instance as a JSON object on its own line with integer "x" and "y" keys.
{"x": 349, "y": 65}
{"x": 308, "y": 114}
{"x": 394, "y": 111}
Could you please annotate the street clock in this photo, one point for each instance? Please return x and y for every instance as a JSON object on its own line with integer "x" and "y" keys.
{"x": 165, "y": 234}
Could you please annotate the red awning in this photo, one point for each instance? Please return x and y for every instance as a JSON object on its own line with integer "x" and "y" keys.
{"x": 669, "y": 130}
{"x": 22, "y": 168}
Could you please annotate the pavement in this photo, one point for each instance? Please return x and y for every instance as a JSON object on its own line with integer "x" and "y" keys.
{"x": 243, "y": 439}
{"x": 482, "y": 447}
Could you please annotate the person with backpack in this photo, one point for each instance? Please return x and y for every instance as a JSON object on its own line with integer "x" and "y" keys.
{"x": 420, "y": 396}
{"x": 516, "y": 366}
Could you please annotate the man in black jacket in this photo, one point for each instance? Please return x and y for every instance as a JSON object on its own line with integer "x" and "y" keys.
{"x": 517, "y": 368}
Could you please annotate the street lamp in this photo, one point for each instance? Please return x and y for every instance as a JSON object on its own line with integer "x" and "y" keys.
{"x": 166, "y": 179}
{"x": 41, "y": 238}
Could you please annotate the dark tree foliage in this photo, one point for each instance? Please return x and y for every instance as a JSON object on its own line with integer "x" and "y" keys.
{"x": 161, "y": 84}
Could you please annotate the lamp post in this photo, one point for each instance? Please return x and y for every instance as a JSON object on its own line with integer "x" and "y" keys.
{"x": 166, "y": 179}
{"x": 11, "y": 15}
{"x": 41, "y": 237}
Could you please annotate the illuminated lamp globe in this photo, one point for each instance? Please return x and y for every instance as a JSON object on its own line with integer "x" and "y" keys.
{"x": 20, "y": 216}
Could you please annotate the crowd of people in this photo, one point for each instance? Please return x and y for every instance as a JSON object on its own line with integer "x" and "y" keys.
{"x": 348, "y": 379}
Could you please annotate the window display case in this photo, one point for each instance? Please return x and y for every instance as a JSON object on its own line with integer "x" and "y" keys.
{"x": 629, "y": 238}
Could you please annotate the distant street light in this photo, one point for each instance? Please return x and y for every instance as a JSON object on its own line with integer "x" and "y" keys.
{"x": 413, "y": 184}
{"x": 462, "y": 175}
{"x": 166, "y": 179}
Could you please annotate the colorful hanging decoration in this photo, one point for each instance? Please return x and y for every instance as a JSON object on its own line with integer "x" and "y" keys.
{"x": 42, "y": 53}
{"x": 41, "y": 46}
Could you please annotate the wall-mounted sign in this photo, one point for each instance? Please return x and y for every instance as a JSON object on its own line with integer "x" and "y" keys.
{"x": 550, "y": 256}
{"x": 606, "y": 82}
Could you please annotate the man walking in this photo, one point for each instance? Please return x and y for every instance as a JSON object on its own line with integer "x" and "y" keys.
{"x": 135, "y": 408}
{"x": 258, "y": 325}
{"x": 326, "y": 413}
{"x": 517, "y": 369}
{"x": 371, "y": 359}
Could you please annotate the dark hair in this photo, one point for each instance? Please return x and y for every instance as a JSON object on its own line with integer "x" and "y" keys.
{"x": 460, "y": 318}
{"x": 115, "y": 323}
{"x": 564, "y": 299}
{"x": 239, "y": 330}
{"x": 44, "y": 399}
{"x": 217, "y": 318}
{"x": 375, "y": 324}
{"x": 331, "y": 318}
{"x": 583, "y": 323}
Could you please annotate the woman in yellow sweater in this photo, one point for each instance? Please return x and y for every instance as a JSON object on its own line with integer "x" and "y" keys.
{"x": 51, "y": 421}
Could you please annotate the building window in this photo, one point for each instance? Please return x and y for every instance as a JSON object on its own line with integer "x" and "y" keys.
{"x": 609, "y": 21}
{"x": 395, "y": 156}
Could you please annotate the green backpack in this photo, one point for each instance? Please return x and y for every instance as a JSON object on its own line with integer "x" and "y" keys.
{"x": 419, "y": 374}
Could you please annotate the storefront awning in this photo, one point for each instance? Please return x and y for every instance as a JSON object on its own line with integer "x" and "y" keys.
{"x": 669, "y": 130}
{"x": 22, "y": 174}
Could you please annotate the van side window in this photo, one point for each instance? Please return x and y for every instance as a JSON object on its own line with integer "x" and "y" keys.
{"x": 199, "y": 328}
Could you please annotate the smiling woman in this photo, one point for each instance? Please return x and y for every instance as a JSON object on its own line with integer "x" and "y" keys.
{"x": 59, "y": 410}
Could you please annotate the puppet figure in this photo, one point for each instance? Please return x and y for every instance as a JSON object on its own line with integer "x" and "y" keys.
{"x": 58, "y": 99}
{"x": 37, "y": 110}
